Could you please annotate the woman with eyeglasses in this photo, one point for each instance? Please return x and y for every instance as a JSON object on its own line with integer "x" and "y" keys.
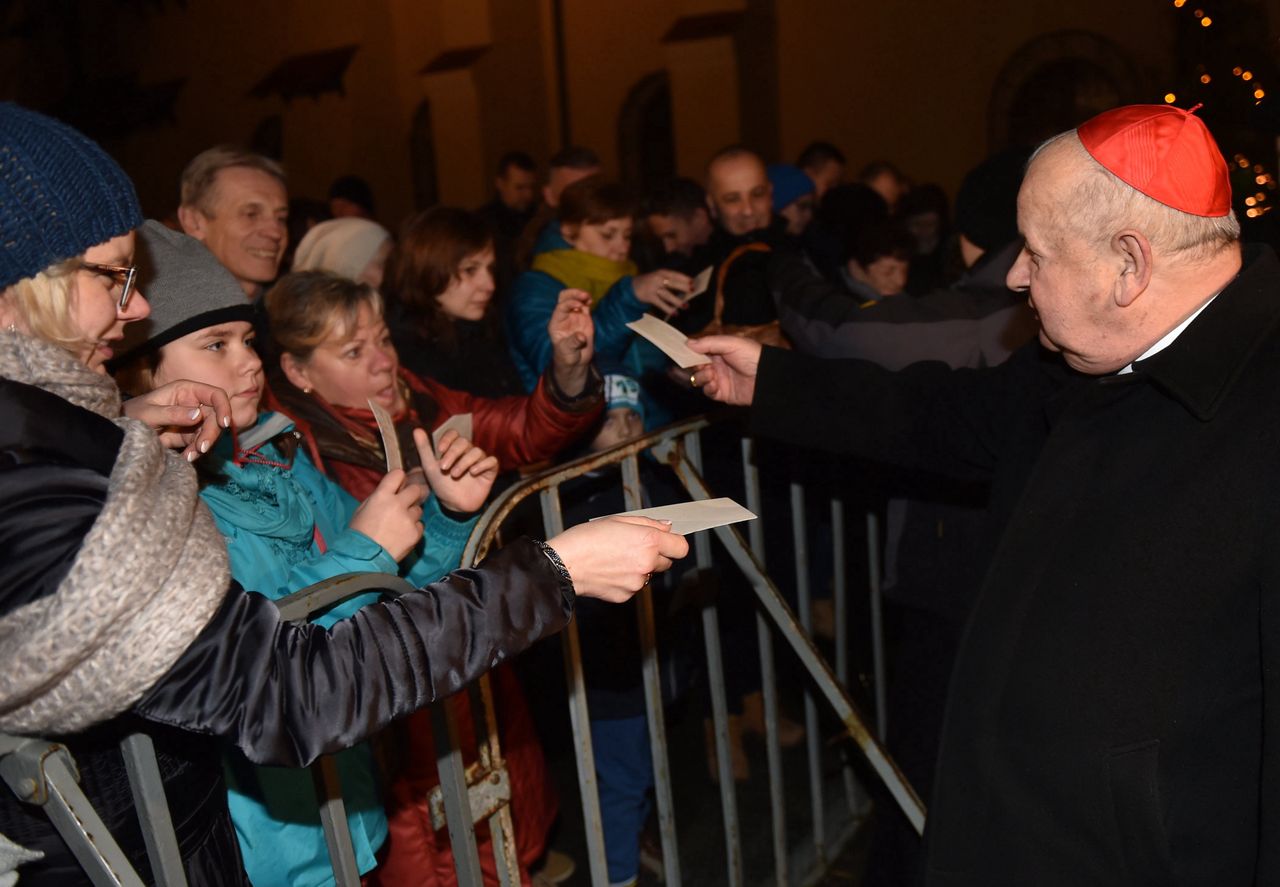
{"x": 117, "y": 614}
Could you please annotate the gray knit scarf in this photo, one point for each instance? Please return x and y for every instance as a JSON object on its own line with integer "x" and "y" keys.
{"x": 149, "y": 575}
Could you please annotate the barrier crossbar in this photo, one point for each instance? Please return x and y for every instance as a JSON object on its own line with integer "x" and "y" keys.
{"x": 678, "y": 447}
{"x": 44, "y": 773}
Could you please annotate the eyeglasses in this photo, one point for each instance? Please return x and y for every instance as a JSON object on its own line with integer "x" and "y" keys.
{"x": 121, "y": 276}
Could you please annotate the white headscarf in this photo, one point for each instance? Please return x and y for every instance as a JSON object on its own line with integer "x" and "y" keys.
{"x": 343, "y": 246}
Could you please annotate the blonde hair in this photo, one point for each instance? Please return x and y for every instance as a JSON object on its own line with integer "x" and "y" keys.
{"x": 305, "y": 308}
{"x": 44, "y": 305}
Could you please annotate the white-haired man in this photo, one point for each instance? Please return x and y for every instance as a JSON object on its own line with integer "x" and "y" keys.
{"x": 1113, "y": 717}
{"x": 236, "y": 203}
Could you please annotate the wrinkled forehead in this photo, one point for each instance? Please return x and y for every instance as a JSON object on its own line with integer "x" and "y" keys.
{"x": 355, "y": 321}
{"x": 237, "y": 186}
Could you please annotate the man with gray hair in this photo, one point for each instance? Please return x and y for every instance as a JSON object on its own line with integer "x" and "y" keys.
{"x": 235, "y": 202}
{"x": 1114, "y": 715}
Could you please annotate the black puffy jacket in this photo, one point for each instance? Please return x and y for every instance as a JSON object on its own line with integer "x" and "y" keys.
{"x": 283, "y": 694}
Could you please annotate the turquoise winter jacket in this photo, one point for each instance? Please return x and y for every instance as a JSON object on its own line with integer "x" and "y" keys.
{"x": 287, "y": 528}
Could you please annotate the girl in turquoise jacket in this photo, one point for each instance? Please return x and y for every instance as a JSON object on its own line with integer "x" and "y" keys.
{"x": 288, "y": 526}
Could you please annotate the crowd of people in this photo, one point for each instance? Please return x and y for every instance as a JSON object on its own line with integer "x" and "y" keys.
{"x": 191, "y": 431}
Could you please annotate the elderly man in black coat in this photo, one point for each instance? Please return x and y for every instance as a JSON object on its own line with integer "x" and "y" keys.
{"x": 1114, "y": 716}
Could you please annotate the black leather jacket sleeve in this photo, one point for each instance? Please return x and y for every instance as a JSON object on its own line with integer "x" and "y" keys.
{"x": 285, "y": 694}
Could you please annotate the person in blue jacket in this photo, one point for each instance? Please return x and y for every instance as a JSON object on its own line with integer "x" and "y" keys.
{"x": 586, "y": 248}
{"x": 288, "y": 526}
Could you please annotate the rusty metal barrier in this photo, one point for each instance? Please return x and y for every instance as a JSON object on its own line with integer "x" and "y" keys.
{"x": 678, "y": 446}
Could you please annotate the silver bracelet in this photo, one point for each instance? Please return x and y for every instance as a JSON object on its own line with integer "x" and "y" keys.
{"x": 555, "y": 560}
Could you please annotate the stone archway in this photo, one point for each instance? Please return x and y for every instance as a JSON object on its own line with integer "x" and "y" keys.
{"x": 1056, "y": 82}
{"x": 646, "y": 139}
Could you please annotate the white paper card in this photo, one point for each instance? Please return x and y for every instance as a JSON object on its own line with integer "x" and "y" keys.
{"x": 701, "y": 282}
{"x": 390, "y": 443}
{"x": 690, "y": 517}
{"x": 459, "y": 422}
{"x": 672, "y": 342}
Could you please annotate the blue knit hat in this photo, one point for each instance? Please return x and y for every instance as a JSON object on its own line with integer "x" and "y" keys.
{"x": 60, "y": 194}
{"x": 789, "y": 184}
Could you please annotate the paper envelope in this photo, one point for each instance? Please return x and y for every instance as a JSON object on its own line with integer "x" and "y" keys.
{"x": 672, "y": 342}
{"x": 690, "y": 517}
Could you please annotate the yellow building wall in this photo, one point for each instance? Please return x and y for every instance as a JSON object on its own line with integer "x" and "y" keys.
{"x": 909, "y": 82}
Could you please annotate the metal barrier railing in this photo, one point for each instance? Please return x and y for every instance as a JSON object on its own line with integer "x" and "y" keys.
{"x": 678, "y": 447}
{"x": 44, "y": 773}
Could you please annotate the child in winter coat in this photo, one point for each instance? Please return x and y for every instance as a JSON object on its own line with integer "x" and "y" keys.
{"x": 287, "y": 526}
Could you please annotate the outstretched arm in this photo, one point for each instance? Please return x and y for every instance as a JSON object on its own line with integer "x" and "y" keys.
{"x": 285, "y": 694}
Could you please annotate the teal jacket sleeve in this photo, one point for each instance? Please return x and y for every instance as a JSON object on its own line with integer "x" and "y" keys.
{"x": 527, "y": 314}
{"x": 440, "y": 552}
{"x": 611, "y": 315}
{"x": 255, "y": 565}
{"x": 257, "y": 562}
{"x": 443, "y": 538}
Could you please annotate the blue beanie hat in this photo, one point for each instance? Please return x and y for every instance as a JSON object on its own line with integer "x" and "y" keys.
{"x": 60, "y": 194}
{"x": 789, "y": 184}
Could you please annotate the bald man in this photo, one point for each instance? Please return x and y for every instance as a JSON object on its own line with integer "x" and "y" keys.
{"x": 740, "y": 200}
{"x": 1114, "y": 716}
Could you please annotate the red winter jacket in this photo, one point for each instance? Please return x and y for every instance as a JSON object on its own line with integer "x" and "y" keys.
{"x": 520, "y": 430}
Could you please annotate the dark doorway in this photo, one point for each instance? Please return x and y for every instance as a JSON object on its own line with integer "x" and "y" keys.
{"x": 422, "y": 156}
{"x": 268, "y": 137}
{"x": 1057, "y": 81}
{"x": 646, "y": 142}
{"x": 1059, "y": 96}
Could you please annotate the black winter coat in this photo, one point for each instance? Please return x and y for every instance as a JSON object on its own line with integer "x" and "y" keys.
{"x": 283, "y": 694}
{"x": 1114, "y": 715}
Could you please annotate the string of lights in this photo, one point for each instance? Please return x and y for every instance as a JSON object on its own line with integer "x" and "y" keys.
{"x": 1258, "y": 203}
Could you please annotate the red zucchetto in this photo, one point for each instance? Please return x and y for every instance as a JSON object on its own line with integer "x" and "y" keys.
{"x": 1164, "y": 152}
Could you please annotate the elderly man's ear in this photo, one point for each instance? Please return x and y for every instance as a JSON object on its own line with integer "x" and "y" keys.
{"x": 1135, "y": 276}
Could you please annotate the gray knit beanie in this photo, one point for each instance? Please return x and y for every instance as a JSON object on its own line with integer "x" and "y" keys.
{"x": 60, "y": 194}
{"x": 187, "y": 287}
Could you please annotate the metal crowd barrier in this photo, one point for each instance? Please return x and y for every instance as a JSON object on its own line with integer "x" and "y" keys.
{"x": 44, "y": 773}
{"x": 678, "y": 446}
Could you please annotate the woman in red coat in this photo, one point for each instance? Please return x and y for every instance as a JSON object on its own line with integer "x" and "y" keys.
{"x": 336, "y": 356}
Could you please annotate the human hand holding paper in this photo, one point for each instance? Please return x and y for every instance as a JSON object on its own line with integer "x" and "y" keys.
{"x": 700, "y": 284}
{"x": 459, "y": 422}
{"x": 730, "y": 374}
{"x": 690, "y": 517}
{"x": 669, "y": 340}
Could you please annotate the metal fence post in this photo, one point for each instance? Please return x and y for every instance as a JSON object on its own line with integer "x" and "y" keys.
{"x": 139, "y": 754}
{"x": 651, "y": 670}
{"x": 719, "y": 700}
{"x": 44, "y": 774}
{"x": 840, "y": 591}
{"x": 813, "y": 742}
{"x": 768, "y": 676}
{"x": 501, "y": 827}
{"x": 553, "y": 524}
{"x": 877, "y": 624}
{"x": 457, "y": 800}
{"x": 771, "y": 600}
{"x": 333, "y": 821}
